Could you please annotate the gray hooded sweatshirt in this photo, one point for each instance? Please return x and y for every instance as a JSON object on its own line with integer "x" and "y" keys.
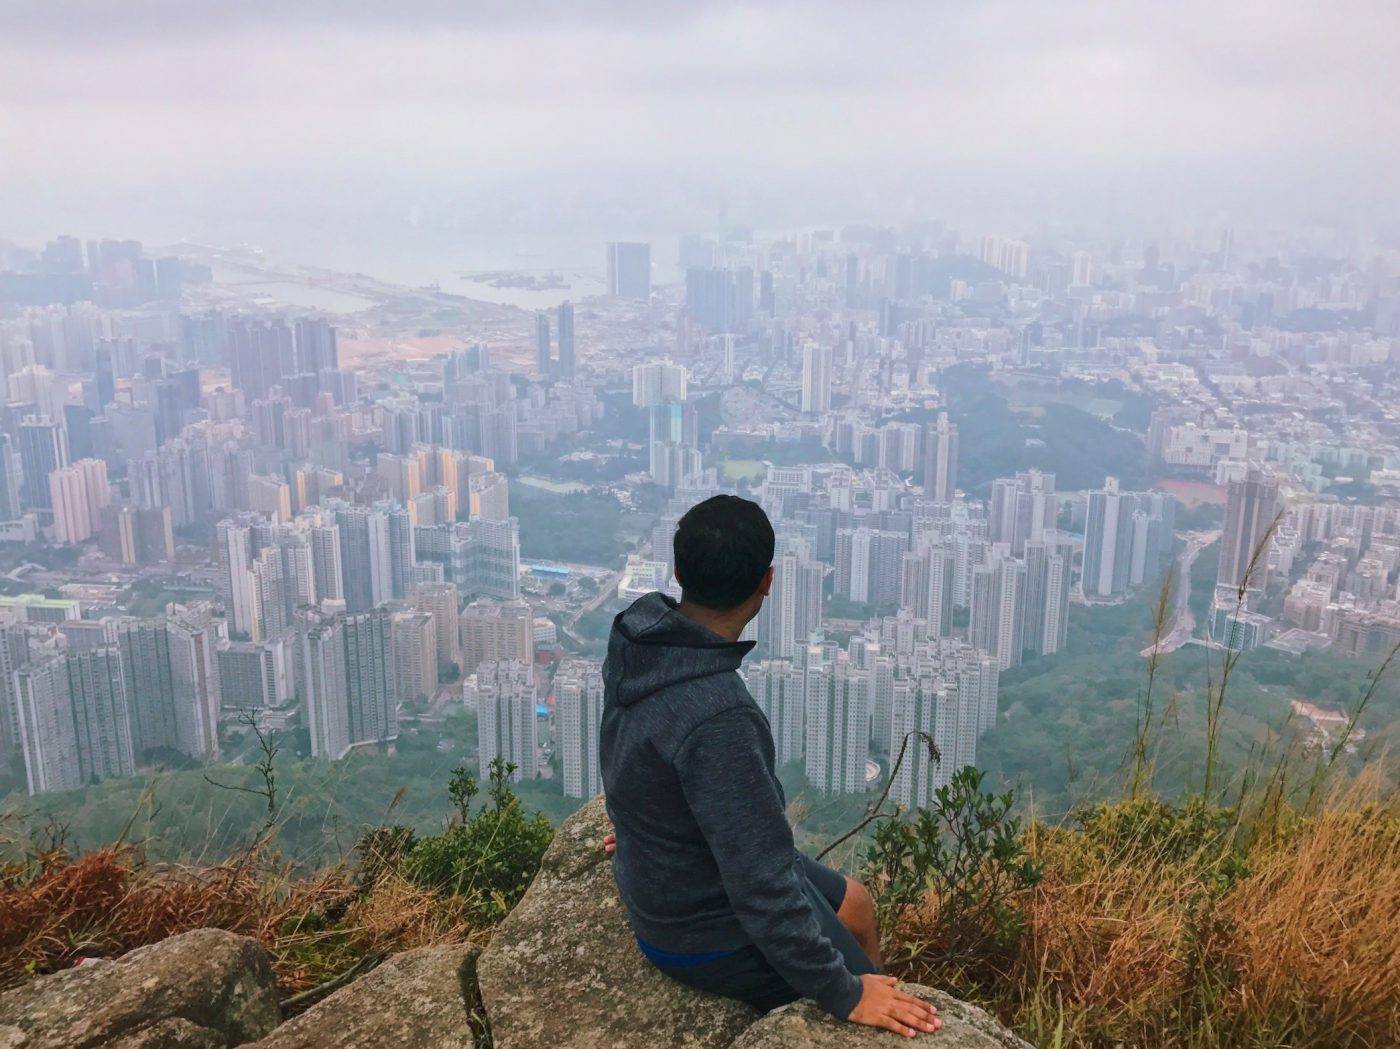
{"x": 705, "y": 858}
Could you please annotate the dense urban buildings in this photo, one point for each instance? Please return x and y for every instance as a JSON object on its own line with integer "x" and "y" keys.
{"x": 223, "y": 511}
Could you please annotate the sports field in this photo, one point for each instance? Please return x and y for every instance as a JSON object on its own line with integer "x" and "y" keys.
{"x": 1192, "y": 494}
{"x": 742, "y": 469}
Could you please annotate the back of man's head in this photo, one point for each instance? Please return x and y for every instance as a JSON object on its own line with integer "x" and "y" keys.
{"x": 723, "y": 548}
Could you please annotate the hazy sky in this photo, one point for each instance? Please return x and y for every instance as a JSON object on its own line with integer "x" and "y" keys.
{"x": 200, "y": 111}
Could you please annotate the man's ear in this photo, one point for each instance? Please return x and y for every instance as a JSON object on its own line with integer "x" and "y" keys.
{"x": 767, "y": 583}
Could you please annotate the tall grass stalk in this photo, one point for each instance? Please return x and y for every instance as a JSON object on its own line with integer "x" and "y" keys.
{"x": 1216, "y": 693}
{"x": 1160, "y": 611}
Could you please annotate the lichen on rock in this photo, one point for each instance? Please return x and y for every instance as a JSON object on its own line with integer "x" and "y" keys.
{"x": 803, "y": 1026}
{"x": 204, "y": 986}
{"x": 419, "y": 998}
{"x": 563, "y": 970}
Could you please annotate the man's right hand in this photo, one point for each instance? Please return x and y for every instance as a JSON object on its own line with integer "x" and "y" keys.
{"x": 883, "y": 1005}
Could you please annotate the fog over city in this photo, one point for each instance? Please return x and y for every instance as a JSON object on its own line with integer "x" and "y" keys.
{"x": 958, "y": 443}
{"x": 213, "y": 121}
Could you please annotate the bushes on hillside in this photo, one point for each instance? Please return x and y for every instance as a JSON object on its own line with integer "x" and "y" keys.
{"x": 950, "y": 879}
{"x": 486, "y": 859}
{"x": 1153, "y": 924}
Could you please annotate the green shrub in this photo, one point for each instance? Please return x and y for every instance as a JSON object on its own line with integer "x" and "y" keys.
{"x": 487, "y": 859}
{"x": 949, "y": 876}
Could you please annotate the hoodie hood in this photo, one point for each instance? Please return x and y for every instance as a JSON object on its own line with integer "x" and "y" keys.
{"x": 653, "y": 646}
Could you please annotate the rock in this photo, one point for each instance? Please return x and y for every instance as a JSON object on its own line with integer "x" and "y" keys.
{"x": 803, "y": 1026}
{"x": 563, "y": 970}
{"x": 419, "y": 998}
{"x": 212, "y": 980}
{"x": 174, "y": 1033}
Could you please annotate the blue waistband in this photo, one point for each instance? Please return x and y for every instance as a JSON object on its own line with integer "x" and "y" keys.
{"x": 677, "y": 959}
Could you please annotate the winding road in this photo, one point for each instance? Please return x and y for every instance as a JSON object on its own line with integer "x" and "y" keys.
{"x": 1183, "y": 621}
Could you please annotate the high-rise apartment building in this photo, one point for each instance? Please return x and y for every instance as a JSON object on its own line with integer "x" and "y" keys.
{"x": 366, "y": 557}
{"x": 46, "y": 727}
{"x": 416, "y": 655}
{"x": 327, "y": 568}
{"x": 673, "y": 452}
{"x": 193, "y": 634}
{"x": 719, "y": 299}
{"x": 543, "y": 362}
{"x": 837, "y": 711}
{"x": 254, "y": 676}
{"x": 43, "y": 448}
{"x": 440, "y": 600}
{"x": 402, "y": 553}
{"x": 261, "y": 354}
{"x": 940, "y": 473}
{"x": 793, "y": 609}
{"x": 1251, "y": 507}
{"x": 997, "y": 615}
{"x": 270, "y": 495}
{"x": 1126, "y": 537}
{"x": 816, "y": 378}
{"x": 1012, "y": 257}
{"x": 150, "y": 685}
{"x": 1021, "y": 509}
{"x": 777, "y": 686}
{"x": 78, "y": 494}
{"x": 568, "y": 356}
{"x": 927, "y": 587}
{"x": 657, "y": 382}
{"x": 351, "y": 687}
{"x": 914, "y": 711}
{"x": 316, "y": 349}
{"x": 1082, "y": 269}
{"x": 1049, "y": 571}
{"x": 868, "y": 564}
{"x": 497, "y": 632}
{"x": 10, "y": 472}
{"x": 629, "y": 270}
{"x": 488, "y": 497}
{"x": 506, "y": 726}
{"x": 269, "y": 585}
{"x": 101, "y": 713}
{"x": 234, "y": 543}
{"x": 578, "y": 714}
{"x": 489, "y": 562}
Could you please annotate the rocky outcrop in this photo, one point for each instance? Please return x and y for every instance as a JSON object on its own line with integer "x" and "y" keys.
{"x": 421, "y": 998}
{"x": 213, "y": 990}
{"x": 563, "y": 969}
{"x": 205, "y": 989}
{"x": 804, "y": 1026}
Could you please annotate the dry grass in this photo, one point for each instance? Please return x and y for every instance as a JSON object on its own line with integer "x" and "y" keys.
{"x": 1317, "y": 931}
{"x": 1155, "y": 927}
{"x": 57, "y": 909}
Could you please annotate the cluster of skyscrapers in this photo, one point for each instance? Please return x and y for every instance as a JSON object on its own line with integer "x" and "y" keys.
{"x": 363, "y": 544}
{"x": 86, "y": 700}
{"x": 338, "y": 583}
{"x": 846, "y": 712}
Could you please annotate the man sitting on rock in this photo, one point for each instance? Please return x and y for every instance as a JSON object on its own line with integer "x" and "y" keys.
{"x": 717, "y": 894}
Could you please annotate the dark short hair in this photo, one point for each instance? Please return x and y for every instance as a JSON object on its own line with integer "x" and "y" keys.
{"x": 722, "y": 548}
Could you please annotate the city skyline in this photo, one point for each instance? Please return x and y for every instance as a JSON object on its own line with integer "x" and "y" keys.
{"x": 349, "y": 510}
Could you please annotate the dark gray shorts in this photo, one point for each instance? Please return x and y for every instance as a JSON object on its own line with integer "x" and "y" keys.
{"x": 747, "y": 975}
